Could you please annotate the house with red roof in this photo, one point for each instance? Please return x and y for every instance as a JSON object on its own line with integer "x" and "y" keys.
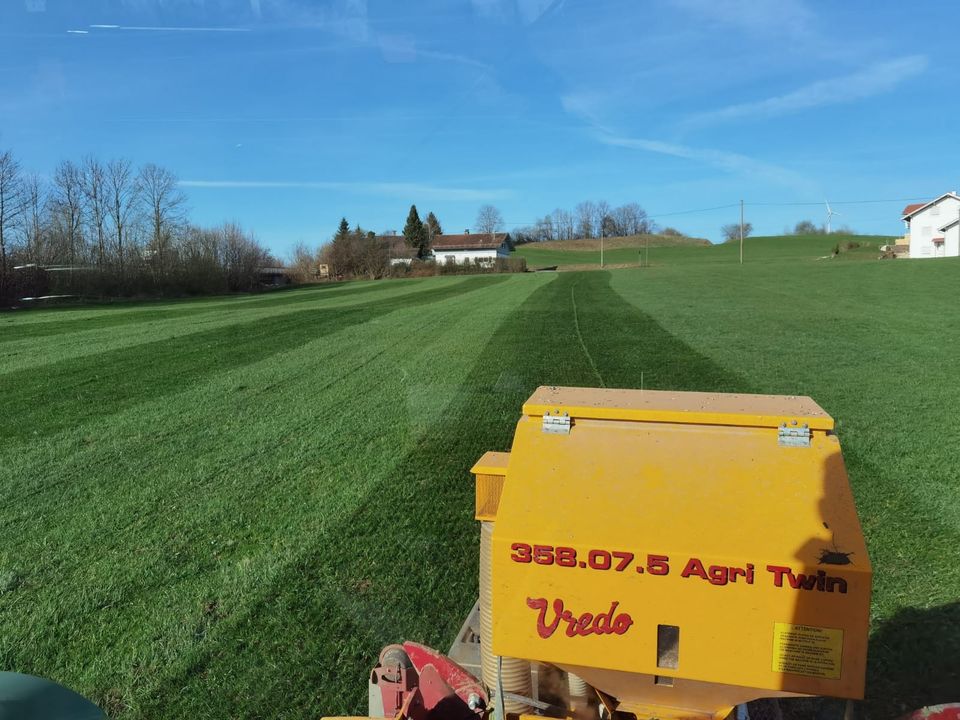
{"x": 470, "y": 247}
{"x": 450, "y": 249}
{"x": 932, "y": 228}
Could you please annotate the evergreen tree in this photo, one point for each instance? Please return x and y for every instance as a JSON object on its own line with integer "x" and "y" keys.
{"x": 415, "y": 233}
{"x": 433, "y": 225}
{"x": 344, "y": 229}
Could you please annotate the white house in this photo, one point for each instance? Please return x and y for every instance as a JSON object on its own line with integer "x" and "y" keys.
{"x": 931, "y": 228}
{"x": 951, "y": 239}
{"x": 475, "y": 247}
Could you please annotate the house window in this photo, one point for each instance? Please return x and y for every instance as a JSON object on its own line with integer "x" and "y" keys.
{"x": 451, "y": 259}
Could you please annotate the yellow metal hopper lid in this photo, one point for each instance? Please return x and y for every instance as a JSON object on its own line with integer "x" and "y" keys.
{"x": 678, "y": 407}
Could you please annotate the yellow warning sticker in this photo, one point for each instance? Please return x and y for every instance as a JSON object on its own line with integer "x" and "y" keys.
{"x": 807, "y": 650}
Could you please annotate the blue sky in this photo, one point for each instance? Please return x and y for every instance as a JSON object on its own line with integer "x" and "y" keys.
{"x": 286, "y": 114}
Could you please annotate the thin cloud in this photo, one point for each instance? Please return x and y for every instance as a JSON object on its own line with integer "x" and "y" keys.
{"x": 344, "y": 18}
{"x": 734, "y": 163}
{"x": 532, "y": 10}
{"x": 451, "y": 57}
{"x": 78, "y": 32}
{"x": 529, "y": 10}
{"x": 403, "y": 49}
{"x": 391, "y": 189}
{"x": 152, "y": 28}
{"x": 874, "y": 80}
{"x": 757, "y": 16}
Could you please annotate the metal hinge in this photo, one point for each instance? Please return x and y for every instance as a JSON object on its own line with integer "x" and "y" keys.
{"x": 557, "y": 424}
{"x": 793, "y": 435}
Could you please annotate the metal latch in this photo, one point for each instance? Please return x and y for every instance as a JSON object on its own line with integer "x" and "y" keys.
{"x": 793, "y": 435}
{"x": 557, "y": 424}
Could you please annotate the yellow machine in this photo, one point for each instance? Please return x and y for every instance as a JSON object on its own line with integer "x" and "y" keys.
{"x": 663, "y": 554}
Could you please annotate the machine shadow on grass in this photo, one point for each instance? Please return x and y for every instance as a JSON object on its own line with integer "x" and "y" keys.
{"x": 914, "y": 661}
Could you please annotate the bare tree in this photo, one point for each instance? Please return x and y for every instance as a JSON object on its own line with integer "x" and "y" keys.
{"x": 489, "y": 220}
{"x": 601, "y": 218}
{"x": 121, "y": 199}
{"x": 11, "y": 208}
{"x": 564, "y": 222}
{"x": 630, "y": 219}
{"x": 34, "y": 221}
{"x": 585, "y": 212}
{"x": 731, "y": 232}
{"x": 68, "y": 206}
{"x": 94, "y": 178}
{"x": 164, "y": 205}
{"x": 609, "y": 227}
{"x": 243, "y": 257}
{"x": 544, "y": 229}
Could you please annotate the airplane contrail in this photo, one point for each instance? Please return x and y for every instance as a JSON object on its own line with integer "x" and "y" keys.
{"x": 169, "y": 29}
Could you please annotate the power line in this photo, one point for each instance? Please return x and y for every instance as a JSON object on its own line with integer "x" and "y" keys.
{"x": 691, "y": 212}
{"x": 837, "y": 202}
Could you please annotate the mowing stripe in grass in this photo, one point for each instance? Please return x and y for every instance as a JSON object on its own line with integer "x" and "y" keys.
{"x": 324, "y": 618}
{"x": 583, "y": 345}
{"x": 19, "y": 327}
{"x": 244, "y": 547}
{"x": 118, "y": 559}
{"x": 865, "y": 344}
{"x": 886, "y": 371}
{"x": 118, "y": 379}
{"x": 37, "y": 352}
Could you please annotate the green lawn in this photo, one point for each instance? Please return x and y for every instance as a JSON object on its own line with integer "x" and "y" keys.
{"x": 758, "y": 249}
{"x": 225, "y": 507}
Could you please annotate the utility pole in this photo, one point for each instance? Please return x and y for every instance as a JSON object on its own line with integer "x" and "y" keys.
{"x": 741, "y": 232}
{"x": 601, "y": 247}
{"x": 646, "y": 251}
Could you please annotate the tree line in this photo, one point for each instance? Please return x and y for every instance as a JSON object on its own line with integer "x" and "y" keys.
{"x": 107, "y": 228}
{"x": 588, "y": 219}
{"x": 356, "y": 252}
{"x": 808, "y": 227}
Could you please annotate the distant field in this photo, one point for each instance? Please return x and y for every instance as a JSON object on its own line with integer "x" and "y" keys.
{"x": 222, "y": 508}
{"x": 624, "y": 241}
{"x": 632, "y": 251}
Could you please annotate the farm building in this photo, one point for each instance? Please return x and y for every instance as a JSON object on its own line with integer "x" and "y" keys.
{"x": 931, "y": 227}
{"x": 478, "y": 247}
{"x": 274, "y": 275}
{"x": 400, "y": 252}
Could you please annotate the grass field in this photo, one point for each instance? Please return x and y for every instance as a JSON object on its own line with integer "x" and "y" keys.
{"x": 629, "y": 251}
{"x": 225, "y": 507}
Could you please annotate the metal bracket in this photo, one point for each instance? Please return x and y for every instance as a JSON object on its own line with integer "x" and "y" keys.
{"x": 793, "y": 435}
{"x": 557, "y": 424}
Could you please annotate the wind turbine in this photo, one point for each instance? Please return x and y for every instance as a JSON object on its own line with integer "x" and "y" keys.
{"x": 830, "y": 213}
